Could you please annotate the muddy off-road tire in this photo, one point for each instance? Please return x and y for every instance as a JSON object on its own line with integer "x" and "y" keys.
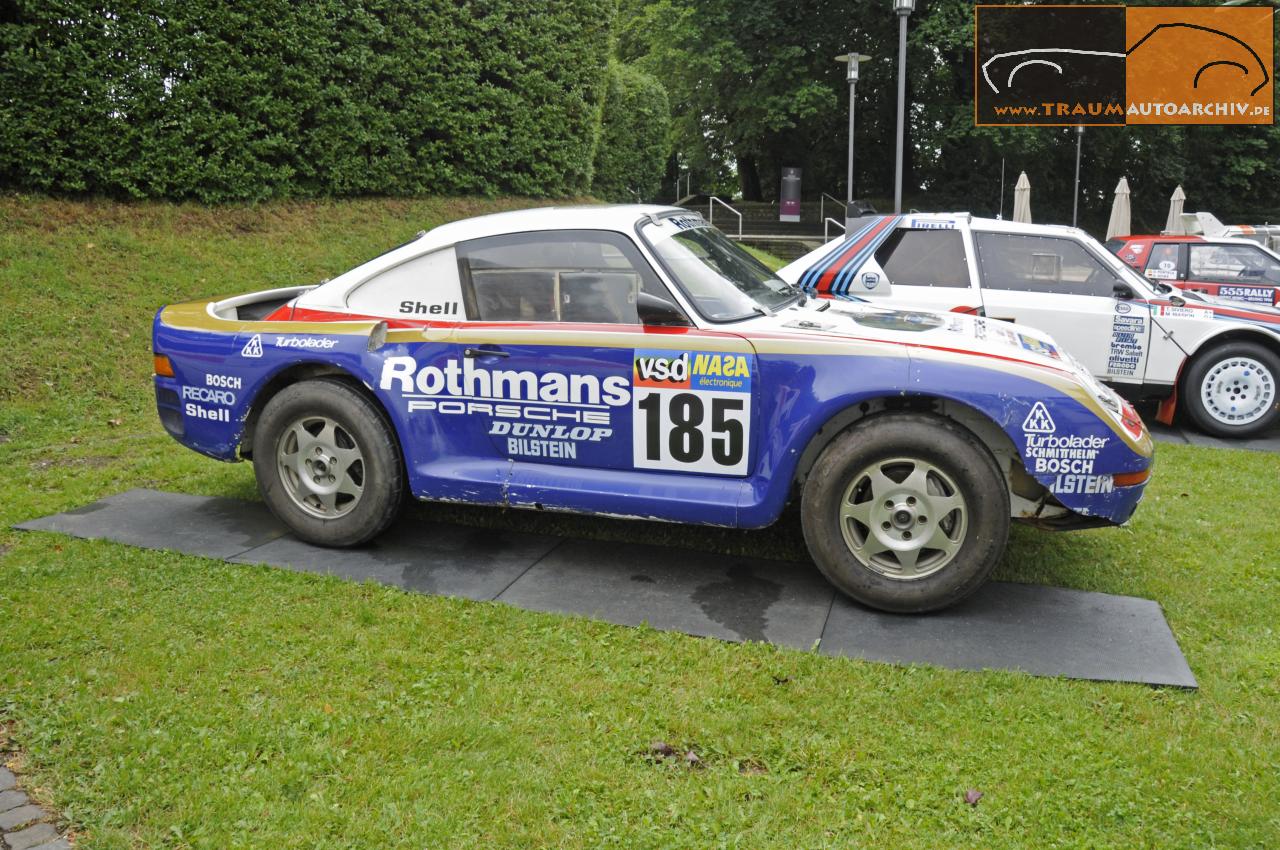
{"x": 327, "y": 464}
{"x": 906, "y": 512}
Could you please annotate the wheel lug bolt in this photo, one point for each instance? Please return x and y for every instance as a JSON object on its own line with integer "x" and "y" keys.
{"x": 332, "y": 479}
{"x": 885, "y": 526}
{"x": 888, "y": 504}
{"x": 906, "y": 535}
{"x": 911, "y": 500}
{"x": 923, "y": 520}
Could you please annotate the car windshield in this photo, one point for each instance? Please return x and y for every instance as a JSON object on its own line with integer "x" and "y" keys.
{"x": 724, "y": 282}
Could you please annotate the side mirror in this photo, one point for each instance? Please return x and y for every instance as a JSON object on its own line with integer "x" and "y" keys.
{"x": 653, "y": 310}
{"x": 1121, "y": 291}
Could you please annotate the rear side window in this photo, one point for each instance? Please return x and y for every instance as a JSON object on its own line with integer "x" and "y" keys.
{"x": 1163, "y": 262}
{"x": 1233, "y": 264}
{"x": 924, "y": 258}
{"x": 1021, "y": 263}
{"x": 555, "y": 276}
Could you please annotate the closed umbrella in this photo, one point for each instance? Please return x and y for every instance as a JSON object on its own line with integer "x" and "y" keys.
{"x": 1119, "y": 224}
{"x": 1174, "y": 225}
{"x": 1022, "y": 199}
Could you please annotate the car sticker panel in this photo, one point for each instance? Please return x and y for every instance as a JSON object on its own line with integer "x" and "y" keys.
{"x": 691, "y": 411}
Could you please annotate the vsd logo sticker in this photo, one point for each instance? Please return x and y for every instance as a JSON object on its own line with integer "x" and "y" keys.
{"x": 1039, "y": 421}
{"x": 252, "y": 348}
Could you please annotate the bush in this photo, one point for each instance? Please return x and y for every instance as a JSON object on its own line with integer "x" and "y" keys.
{"x": 221, "y": 101}
{"x": 634, "y": 135}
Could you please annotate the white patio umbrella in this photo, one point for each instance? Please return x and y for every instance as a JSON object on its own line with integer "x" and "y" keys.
{"x": 1022, "y": 199}
{"x": 1174, "y": 225}
{"x": 1119, "y": 224}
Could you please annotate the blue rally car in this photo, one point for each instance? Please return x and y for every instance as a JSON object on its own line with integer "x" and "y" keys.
{"x": 631, "y": 361}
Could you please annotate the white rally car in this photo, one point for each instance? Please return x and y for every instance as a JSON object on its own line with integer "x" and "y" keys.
{"x": 1219, "y": 359}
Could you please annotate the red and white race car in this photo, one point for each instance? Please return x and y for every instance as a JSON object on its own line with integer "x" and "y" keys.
{"x": 1234, "y": 268}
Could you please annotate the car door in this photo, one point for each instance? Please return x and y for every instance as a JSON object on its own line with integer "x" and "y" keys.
{"x": 580, "y": 399}
{"x": 1057, "y": 285}
{"x": 929, "y": 268}
{"x": 1239, "y": 272}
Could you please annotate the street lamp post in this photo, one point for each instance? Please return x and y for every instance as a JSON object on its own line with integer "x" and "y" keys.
{"x": 1075, "y": 197}
{"x": 851, "y": 74}
{"x": 904, "y": 8}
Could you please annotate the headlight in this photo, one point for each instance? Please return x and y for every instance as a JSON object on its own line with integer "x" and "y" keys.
{"x": 1119, "y": 409}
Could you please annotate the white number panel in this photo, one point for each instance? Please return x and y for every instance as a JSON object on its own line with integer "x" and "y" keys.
{"x": 691, "y": 412}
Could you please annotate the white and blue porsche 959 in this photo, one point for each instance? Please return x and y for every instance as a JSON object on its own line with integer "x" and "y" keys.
{"x": 631, "y": 361}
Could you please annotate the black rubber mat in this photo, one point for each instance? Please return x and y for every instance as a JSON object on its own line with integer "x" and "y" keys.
{"x": 1045, "y": 631}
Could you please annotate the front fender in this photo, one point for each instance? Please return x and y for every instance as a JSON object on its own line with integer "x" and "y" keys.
{"x": 1065, "y": 439}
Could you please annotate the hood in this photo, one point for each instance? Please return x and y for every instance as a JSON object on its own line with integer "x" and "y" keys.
{"x": 1258, "y": 312}
{"x": 956, "y": 332}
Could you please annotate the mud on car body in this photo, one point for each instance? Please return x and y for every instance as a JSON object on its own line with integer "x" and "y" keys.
{"x": 632, "y": 361}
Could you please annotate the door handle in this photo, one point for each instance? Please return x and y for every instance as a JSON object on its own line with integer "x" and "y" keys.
{"x": 484, "y": 352}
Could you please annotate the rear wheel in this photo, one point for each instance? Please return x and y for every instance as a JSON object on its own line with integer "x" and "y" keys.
{"x": 1231, "y": 390}
{"x": 326, "y": 463}
{"x": 906, "y": 512}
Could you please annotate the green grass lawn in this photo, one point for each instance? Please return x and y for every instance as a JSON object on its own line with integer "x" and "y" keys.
{"x": 161, "y": 700}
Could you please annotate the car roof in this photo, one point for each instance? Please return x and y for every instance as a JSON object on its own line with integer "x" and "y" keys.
{"x": 1179, "y": 237}
{"x": 998, "y": 225}
{"x": 619, "y": 217}
{"x": 1212, "y": 240}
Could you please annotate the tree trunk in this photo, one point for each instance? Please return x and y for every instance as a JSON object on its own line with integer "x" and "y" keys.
{"x": 749, "y": 179}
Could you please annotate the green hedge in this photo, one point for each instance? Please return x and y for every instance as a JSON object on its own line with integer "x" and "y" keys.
{"x": 222, "y": 101}
{"x": 634, "y": 136}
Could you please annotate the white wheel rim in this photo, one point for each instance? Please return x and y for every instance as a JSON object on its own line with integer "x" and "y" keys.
{"x": 904, "y": 518}
{"x": 1238, "y": 391}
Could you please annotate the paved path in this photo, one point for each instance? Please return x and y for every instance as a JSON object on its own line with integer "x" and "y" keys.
{"x": 23, "y": 824}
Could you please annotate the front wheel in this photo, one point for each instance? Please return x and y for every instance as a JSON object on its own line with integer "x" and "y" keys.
{"x": 906, "y": 512}
{"x": 327, "y": 464}
{"x": 1231, "y": 390}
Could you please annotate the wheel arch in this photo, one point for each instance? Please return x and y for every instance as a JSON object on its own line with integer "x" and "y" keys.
{"x": 1238, "y": 334}
{"x": 1026, "y": 494}
{"x": 297, "y": 373}
{"x": 1270, "y": 342}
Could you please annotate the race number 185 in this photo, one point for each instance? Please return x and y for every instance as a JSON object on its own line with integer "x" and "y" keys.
{"x": 691, "y": 431}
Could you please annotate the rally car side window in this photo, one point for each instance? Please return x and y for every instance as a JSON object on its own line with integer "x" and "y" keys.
{"x": 1232, "y": 264}
{"x": 1163, "y": 262}
{"x": 555, "y": 276}
{"x": 925, "y": 258}
{"x": 1012, "y": 261}
{"x": 424, "y": 287}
